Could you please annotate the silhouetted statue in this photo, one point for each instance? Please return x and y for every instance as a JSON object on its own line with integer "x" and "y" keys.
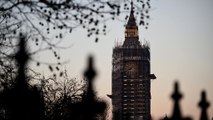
{"x": 203, "y": 104}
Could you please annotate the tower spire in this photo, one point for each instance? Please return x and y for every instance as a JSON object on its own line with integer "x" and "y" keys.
{"x": 131, "y": 22}
{"x": 131, "y": 27}
{"x": 132, "y": 11}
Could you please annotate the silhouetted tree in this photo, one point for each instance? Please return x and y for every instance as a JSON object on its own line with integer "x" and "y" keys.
{"x": 33, "y": 96}
{"x": 59, "y": 93}
{"x": 45, "y": 22}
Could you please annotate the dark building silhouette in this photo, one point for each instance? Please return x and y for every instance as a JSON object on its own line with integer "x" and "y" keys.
{"x": 131, "y": 89}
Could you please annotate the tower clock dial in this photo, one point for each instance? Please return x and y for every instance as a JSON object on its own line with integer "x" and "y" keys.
{"x": 130, "y": 69}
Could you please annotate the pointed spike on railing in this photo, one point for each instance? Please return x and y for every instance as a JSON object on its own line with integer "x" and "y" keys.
{"x": 203, "y": 104}
{"x": 90, "y": 73}
{"x": 176, "y": 97}
{"x": 22, "y": 56}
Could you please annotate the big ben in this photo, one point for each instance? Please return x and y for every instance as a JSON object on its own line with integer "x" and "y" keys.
{"x": 131, "y": 88}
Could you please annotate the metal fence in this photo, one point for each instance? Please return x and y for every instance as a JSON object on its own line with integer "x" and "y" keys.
{"x": 27, "y": 103}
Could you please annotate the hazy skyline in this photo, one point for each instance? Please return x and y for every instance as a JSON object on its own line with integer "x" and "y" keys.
{"x": 181, "y": 38}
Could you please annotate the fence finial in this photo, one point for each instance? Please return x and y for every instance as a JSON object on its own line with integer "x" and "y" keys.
{"x": 203, "y": 104}
{"x": 176, "y": 96}
{"x": 90, "y": 74}
{"x": 22, "y": 58}
{"x": 91, "y": 106}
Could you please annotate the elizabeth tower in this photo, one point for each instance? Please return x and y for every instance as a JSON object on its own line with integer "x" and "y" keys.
{"x": 131, "y": 88}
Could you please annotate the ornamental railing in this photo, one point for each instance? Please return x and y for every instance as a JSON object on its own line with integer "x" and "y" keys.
{"x": 22, "y": 102}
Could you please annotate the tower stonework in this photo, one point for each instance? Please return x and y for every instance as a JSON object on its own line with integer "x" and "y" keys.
{"x": 131, "y": 88}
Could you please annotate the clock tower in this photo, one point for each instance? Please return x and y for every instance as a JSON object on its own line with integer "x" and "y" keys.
{"x": 131, "y": 88}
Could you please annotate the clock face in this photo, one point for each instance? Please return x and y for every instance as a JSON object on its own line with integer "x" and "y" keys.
{"x": 130, "y": 69}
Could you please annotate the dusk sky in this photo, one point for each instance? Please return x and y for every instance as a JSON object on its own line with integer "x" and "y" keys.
{"x": 181, "y": 39}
